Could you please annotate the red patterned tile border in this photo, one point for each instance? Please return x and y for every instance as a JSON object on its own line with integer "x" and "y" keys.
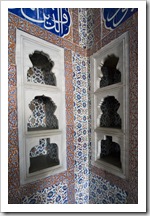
{"x": 80, "y": 50}
{"x": 12, "y": 79}
{"x": 70, "y": 35}
{"x": 97, "y": 33}
{"x": 75, "y": 10}
{"x": 68, "y": 56}
{"x": 97, "y": 13}
{"x": 69, "y": 102}
{"x": 14, "y": 196}
{"x": 97, "y": 20}
{"x": 13, "y": 178}
{"x": 12, "y": 137}
{"x": 75, "y": 21}
{"x": 68, "y": 45}
{"x": 108, "y": 38}
{"x": 76, "y": 37}
{"x": 104, "y": 30}
{"x": 69, "y": 117}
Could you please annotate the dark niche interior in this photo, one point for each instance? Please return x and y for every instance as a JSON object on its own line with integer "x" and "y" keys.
{"x": 41, "y": 72}
{"x": 111, "y": 75}
{"x": 42, "y": 117}
{"x": 43, "y": 161}
{"x": 110, "y": 118}
{"x": 110, "y": 152}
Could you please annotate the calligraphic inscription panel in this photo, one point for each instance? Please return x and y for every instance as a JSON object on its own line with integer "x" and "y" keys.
{"x": 113, "y": 17}
{"x": 55, "y": 20}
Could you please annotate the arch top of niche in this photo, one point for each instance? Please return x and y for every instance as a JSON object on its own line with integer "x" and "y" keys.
{"x": 41, "y": 70}
{"x": 43, "y": 117}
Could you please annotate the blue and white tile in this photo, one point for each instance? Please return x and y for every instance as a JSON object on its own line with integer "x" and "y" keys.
{"x": 81, "y": 129}
{"x": 103, "y": 192}
{"x": 86, "y": 26}
{"x": 56, "y": 194}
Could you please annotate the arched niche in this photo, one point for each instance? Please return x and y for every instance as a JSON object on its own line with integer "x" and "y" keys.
{"x": 110, "y": 118}
{"x": 110, "y": 151}
{"x": 42, "y": 117}
{"x": 41, "y": 71}
{"x": 43, "y": 156}
{"x": 110, "y": 74}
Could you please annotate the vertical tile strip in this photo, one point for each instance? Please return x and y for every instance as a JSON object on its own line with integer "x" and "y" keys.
{"x": 81, "y": 168}
{"x": 86, "y": 27}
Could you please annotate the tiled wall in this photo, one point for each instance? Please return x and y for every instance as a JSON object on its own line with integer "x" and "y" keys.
{"x": 104, "y": 192}
{"x": 103, "y": 36}
{"x": 81, "y": 139}
{"x": 62, "y": 185}
{"x": 77, "y": 184}
{"x": 56, "y": 194}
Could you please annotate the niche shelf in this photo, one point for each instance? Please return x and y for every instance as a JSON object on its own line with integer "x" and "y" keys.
{"x": 109, "y": 73}
{"x": 43, "y": 156}
{"x": 42, "y": 117}
{"x": 110, "y": 151}
{"x": 110, "y": 118}
{"x": 110, "y": 107}
{"x": 41, "y": 71}
{"x": 41, "y": 108}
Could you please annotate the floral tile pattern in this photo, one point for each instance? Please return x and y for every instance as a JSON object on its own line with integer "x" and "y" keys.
{"x": 40, "y": 149}
{"x": 86, "y": 26}
{"x": 76, "y": 185}
{"x": 102, "y": 192}
{"x": 57, "y": 194}
{"x": 38, "y": 117}
{"x": 12, "y": 79}
{"x": 80, "y": 83}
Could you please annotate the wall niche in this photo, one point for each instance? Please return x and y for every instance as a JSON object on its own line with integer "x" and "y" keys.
{"x": 110, "y": 151}
{"x": 43, "y": 156}
{"x": 41, "y": 71}
{"x": 42, "y": 117}
{"x": 110, "y": 107}
{"x": 109, "y": 73}
{"x": 41, "y": 108}
{"x": 110, "y": 118}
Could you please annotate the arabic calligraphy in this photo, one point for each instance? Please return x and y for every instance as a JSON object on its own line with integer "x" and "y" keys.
{"x": 113, "y": 17}
{"x": 56, "y": 20}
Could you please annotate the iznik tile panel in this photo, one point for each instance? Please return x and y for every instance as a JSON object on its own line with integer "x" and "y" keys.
{"x": 86, "y": 27}
{"x": 56, "y": 194}
{"x": 103, "y": 192}
{"x": 81, "y": 169}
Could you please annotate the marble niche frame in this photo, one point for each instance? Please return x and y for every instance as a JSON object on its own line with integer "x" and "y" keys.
{"x": 26, "y": 91}
{"x": 120, "y": 48}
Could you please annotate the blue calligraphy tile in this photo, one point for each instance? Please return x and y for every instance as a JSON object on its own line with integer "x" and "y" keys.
{"x": 55, "y": 20}
{"x": 113, "y": 17}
